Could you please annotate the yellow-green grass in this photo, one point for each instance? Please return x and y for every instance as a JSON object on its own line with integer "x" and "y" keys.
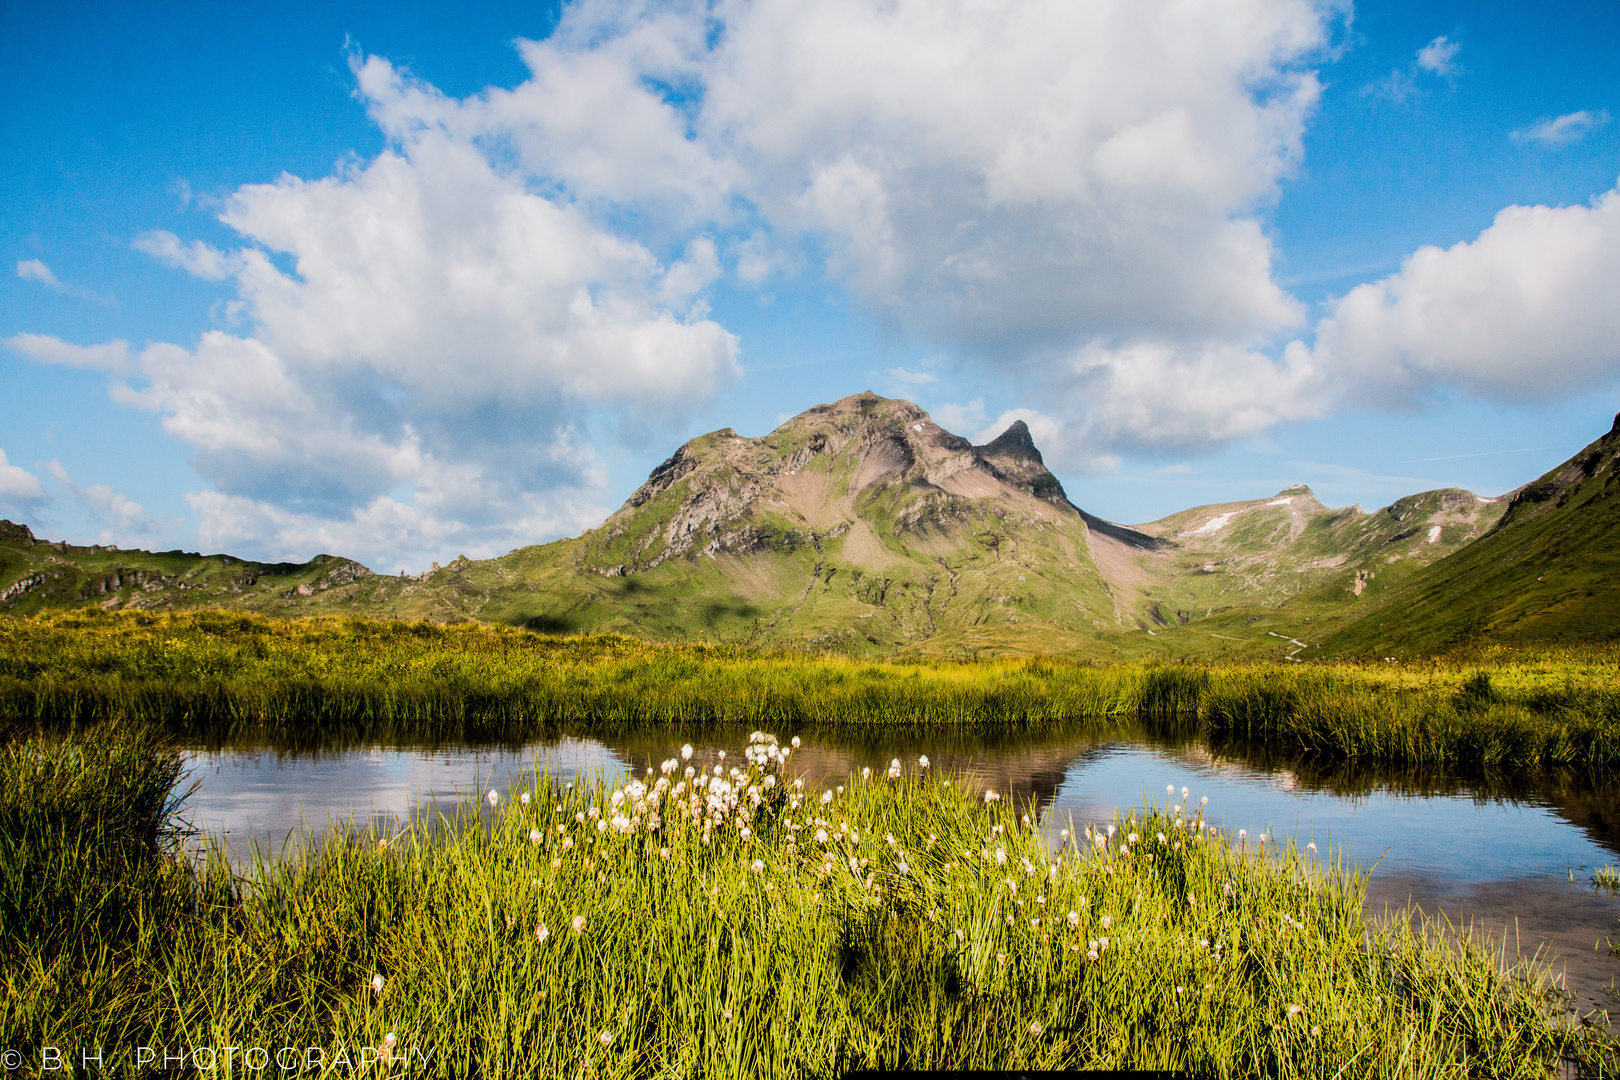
{"x": 216, "y": 676}
{"x": 929, "y": 929}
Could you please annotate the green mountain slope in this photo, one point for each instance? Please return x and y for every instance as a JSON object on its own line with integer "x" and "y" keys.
{"x": 1214, "y": 564}
{"x": 861, "y": 526}
{"x": 37, "y": 574}
{"x": 1548, "y": 573}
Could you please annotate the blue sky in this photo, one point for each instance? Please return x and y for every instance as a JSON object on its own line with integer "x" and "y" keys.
{"x": 402, "y": 282}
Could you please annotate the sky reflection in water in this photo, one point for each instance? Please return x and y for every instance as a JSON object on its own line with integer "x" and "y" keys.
{"x": 1468, "y": 852}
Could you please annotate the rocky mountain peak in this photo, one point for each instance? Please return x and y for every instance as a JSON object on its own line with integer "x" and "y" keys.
{"x": 17, "y": 532}
{"x": 1016, "y": 441}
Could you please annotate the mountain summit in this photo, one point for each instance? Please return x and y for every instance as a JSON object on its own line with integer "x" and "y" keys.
{"x": 862, "y": 526}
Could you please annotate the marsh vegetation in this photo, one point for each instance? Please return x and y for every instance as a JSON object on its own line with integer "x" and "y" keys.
{"x": 716, "y": 918}
{"x": 219, "y": 675}
{"x": 733, "y": 922}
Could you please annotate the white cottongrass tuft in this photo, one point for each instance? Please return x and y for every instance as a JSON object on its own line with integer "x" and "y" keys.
{"x": 1107, "y": 921}
{"x": 866, "y": 774}
{"x": 541, "y": 933}
{"x": 991, "y": 796}
{"x": 1074, "y": 920}
{"x": 578, "y": 925}
{"x": 377, "y": 984}
{"x": 1035, "y": 1028}
{"x": 390, "y": 1041}
{"x": 493, "y": 797}
{"x": 759, "y": 866}
{"x": 524, "y": 798}
{"x": 922, "y": 762}
{"x": 794, "y": 742}
{"x": 534, "y": 836}
{"x": 606, "y": 1037}
{"x": 686, "y": 752}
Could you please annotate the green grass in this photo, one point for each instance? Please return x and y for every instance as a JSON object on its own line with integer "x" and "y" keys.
{"x": 907, "y": 939}
{"x": 1550, "y": 573}
{"x": 213, "y": 676}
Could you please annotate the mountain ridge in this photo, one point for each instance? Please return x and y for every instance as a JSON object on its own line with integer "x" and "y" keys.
{"x": 862, "y": 526}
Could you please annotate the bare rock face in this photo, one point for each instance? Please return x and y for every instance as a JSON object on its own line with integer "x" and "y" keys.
{"x": 1013, "y": 457}
{"x": 16, "y": 533}
{"x": 819, "y": 473}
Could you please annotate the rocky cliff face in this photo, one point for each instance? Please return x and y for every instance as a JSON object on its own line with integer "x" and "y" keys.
{"x": 813, "y": 478}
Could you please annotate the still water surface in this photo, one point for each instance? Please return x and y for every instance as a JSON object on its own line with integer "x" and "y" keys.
{"x": 1512, "y": 858}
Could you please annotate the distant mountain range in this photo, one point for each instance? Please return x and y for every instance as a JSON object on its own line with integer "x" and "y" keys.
{"x": 863, "y": 527}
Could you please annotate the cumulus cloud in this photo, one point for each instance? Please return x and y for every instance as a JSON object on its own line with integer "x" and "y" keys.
{"x": 1562, "y": 130}
{"x": 432, "y": 363}
{"x": 1001, "y": 176}
{"x": 428, "y": 344}
{"x": 1524, "y": 311}
{"x": 1158, "y": 398}
{"x": 1028, "y": 185}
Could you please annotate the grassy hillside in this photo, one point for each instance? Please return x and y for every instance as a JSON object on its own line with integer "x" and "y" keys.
{"x": 1548, "y": 573}
{"x": 862, "y": 528}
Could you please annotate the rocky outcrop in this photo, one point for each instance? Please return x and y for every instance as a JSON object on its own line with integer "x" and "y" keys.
{"x": 16, "y": 533}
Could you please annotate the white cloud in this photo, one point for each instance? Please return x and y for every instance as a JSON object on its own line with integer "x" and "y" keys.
{"x": 1000, "y": 176}
{"x": 1524, "y": 311}
{"x": 385, "y": 534}
{"x": 905, "y": 381}
{"x": 1157, "y": 397}
{"x": 1562, "y": 130}
{"x": 1439, "y": 56}
{"x": 435, "y": 359}
{"x": 34, "y": 270}
{"x": 1072, "y": 195}
{"x": 1022, "y": 183}
{"x": 21, "y": 493}
{"x": 197, "y": 258}
{"x": 113, "y": 357}
{"x": 117, "y": 518}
